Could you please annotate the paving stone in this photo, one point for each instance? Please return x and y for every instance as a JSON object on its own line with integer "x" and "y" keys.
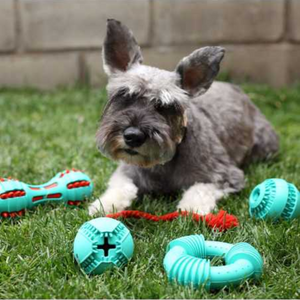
{"x": 7, "y": 25}
{"x": 43, "y": 71}
{"x": 213, "y": 21}
{"x": 69, "y": 24}
{"x": 294, "y": 20}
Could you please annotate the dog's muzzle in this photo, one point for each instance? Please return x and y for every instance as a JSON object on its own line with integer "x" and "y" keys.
{"x": 134, "y": 137}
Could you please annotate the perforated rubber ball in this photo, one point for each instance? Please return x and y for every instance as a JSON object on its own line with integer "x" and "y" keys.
{"x": 101, "y": 244}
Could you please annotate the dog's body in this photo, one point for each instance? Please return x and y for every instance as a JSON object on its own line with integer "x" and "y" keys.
{"x": 170, "y": 133}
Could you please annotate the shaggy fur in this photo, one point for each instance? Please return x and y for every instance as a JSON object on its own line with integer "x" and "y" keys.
{"x": 198, "y": 134}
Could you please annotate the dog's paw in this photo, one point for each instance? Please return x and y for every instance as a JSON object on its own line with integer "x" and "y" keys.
{"x": 103, "y": 206}
{"x": 94, "y": 208}
{"x": 201, "y": 209}
{"x": 113, "y": 200}
{"x": 200, "y": 198}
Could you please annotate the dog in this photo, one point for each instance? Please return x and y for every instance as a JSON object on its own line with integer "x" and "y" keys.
{"x": 175, "y": 131}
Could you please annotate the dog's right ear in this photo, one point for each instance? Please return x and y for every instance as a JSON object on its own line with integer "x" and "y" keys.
{"x": 120, "y": 50}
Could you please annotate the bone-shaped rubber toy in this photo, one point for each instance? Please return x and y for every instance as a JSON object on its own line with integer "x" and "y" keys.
{"x": 69, "y": 186}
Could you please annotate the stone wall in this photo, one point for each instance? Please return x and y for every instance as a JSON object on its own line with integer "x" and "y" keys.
{"x": 52, "y": 43}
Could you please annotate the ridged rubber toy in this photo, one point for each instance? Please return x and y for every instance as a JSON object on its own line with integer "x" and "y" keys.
{"x": 101, "y": 244}
{"x": 275, "y": 198}
{"x": 188, "y": 262}
{"x": 70, "y": 186}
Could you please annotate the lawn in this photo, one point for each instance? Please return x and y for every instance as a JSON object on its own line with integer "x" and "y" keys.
{"x": 44, "y": 133}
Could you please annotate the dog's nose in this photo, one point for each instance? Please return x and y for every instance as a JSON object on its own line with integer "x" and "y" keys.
{"x": 134, "y": 137}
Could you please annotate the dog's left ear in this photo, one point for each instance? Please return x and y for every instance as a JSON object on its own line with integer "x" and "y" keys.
{"x": 198, "y": 70}
{"x": 120, "y": 50}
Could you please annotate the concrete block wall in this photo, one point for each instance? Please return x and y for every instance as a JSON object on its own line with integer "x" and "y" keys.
{"x": 51, "y": 43}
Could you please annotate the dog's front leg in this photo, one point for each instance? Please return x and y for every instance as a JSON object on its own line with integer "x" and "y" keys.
{"x": 201, "y": 198}
{"x": 120, "y": 193}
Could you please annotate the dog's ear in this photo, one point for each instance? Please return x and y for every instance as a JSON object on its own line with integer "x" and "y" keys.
{"x": 120, "y": 50}
{"x": 198, "y": 70}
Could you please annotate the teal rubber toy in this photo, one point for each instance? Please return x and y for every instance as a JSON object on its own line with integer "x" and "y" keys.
{"x": 188, "y": 262}
{"x": 273, "y": 199}
{"x": 70, "y": 186}
{"x": 102, "y": 244}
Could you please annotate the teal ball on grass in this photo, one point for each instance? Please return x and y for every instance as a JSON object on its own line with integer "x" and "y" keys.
{"x": 273, "y": 199}
{"x": 102, "y": 244}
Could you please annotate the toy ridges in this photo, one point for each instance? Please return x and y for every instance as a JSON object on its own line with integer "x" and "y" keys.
{"x": 70, "y": 186}
{"x": 188, "y": 262}
{"x": 275, "y": 198}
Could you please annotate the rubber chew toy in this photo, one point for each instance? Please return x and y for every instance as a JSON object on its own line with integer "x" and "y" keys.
{"x": 222, "y": 221}
{"x": 275, "y": 198}
{"x": 101, "y": 244}
{"x": 186, "y": 262}
{"x": 71, "y": 187}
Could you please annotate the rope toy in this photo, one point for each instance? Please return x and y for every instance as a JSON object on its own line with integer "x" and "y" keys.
{"x": 273, "y": 199}
{"x": 186, "y": 262}
{"x": 69, "y": 186}
{"x": 222, "y": 220}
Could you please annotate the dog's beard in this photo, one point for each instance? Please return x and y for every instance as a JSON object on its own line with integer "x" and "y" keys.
{"x": 157, "y": 149}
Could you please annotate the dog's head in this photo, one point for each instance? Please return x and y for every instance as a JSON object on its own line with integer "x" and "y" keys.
{"x": 144, "y": 119}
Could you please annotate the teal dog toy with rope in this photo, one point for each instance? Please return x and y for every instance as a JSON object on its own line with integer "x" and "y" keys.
{"x": 70, "y": 186}
{"x": 188, "y": 262}
{"x": 273, "y": 199}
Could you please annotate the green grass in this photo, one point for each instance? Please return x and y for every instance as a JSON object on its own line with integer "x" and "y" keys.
{"x": 44, "y": 133}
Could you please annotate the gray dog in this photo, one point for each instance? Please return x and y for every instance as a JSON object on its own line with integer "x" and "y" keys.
{"x": 175, "y": 131}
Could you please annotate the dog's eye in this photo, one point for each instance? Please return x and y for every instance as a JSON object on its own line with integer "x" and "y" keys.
{"x": 172, "y": 108}
{"x": 127, "y": 99}
{"x": 157, "y": 104}
{"x": 123, "y": 95}
{"x": 124, "y": 98}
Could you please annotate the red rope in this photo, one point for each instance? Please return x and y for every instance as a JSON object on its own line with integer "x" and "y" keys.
{"x": 222, "y": 220}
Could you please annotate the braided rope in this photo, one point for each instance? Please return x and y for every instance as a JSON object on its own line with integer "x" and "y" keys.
{"x": 222, "y": 220}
